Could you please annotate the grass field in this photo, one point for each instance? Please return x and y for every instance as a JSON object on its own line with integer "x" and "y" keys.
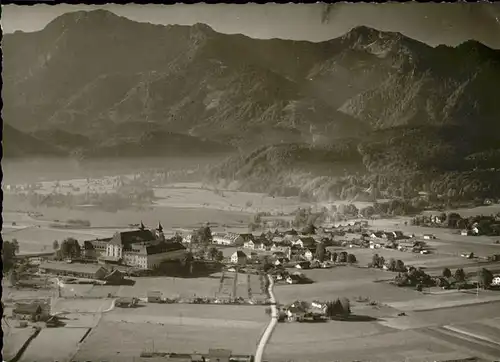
{"x": 170, "y": 287}
{"x": 354, "y": 342}
{"x": 347, "y": 282}
{"x": 175, "y": 328}
{"x": 54, "y": 344}
{"x": 14, "y": 339}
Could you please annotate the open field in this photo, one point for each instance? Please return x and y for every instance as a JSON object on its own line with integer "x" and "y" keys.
{"x": 331, "y": 345}
{"x": 14, "y": 339}
{"x": 176, "y": 328}
{"x": 347, "y": 282}
{"x": 54, "y": 344}
{"x": 169, "y": 286}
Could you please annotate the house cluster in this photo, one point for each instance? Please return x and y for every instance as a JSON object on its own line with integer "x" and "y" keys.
{"x": 300, "y": 311}
{"x": 141, "y": 248}
{"x": 86, "y": 271}
{"x": 389, "y": 240}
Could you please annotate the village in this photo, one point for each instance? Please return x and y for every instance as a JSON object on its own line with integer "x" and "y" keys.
{"x": 146, "y": 267}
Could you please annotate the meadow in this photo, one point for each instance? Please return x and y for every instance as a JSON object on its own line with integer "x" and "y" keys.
{"x": 122, "y": 335}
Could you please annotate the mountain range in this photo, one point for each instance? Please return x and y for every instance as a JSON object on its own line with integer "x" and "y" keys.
{"x": 94, "y": 84}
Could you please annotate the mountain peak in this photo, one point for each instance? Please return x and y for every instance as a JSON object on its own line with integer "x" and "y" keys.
{"x": 363, "y": 31}
{"x": 203, "y": 27}
{"x": 97, "y": 17}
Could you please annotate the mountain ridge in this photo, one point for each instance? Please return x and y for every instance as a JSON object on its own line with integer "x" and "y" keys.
{"x": 237, "y": 90}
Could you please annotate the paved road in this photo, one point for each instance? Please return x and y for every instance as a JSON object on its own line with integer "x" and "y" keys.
{"x": 272, "y": 324}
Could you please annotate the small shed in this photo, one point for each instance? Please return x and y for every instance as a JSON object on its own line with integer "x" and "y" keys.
{"x": 154, "y": 296}
{"x": 219, "y": 355}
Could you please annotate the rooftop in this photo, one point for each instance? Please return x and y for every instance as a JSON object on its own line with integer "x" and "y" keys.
{"x": 131, "y": 237}
{"x": 73, "y": 267}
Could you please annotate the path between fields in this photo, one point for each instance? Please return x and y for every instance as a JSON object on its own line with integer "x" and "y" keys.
{"x": 272, "y": 324}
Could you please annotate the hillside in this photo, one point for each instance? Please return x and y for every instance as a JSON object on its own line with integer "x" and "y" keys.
{"x": 17, "y": 144}
{"x": 408, "y": 106}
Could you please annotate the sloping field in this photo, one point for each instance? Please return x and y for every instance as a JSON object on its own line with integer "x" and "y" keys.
{"x": 54, "y": 344}
{"x": 14, "y": 339}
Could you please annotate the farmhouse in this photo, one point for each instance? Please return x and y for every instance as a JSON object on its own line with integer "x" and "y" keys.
{"x": 496, "y": 281}
{"x": 243, "y": 238}
{"x": 308, "y": 254}
{"x": 305, "y": 242}
{"x": 239, "y": 257}
{"x": 32, "y": 311}
{"x": 224, "y": 238}
{"x": 90, "y": 271}
{"x": 249, "y": 244}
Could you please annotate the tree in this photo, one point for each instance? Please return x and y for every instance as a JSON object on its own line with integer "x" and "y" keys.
{"x": 8, "y": 255}
{"x": 485, "y": 277}
{"x": 375, "y": 261}
{"x": 16, "y": 245}
{"x": 220, "y": 256}
{"x": 391, "y": 264}
{"x": 346, "y": 306}
{"x": 212, "y": 252}
{"x": 334, "y": 256}
{"x": 351, "y": 258}
{"x": 13, "y": 277}
{"x": 460, "y": 275}
{"x": 446, "y": 273}
{"x": 320, "y": 252}
{"x": 55, "y": 245}
{"x": 70, "y": 248}
{"x": 400, "y": 266}
{"x": 342, "y": 257}
{"x": 381, "y": 262}
{"x": 202, "y": 236}
{"x": 309, "y": 229}
{"x": 177, "y": 237}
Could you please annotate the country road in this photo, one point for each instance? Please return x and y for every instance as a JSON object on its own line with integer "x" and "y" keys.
{"x": 272, "y": 324}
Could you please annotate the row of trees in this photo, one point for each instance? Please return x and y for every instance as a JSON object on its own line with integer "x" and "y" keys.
{"x": 392, "y": 264}
{"x": 9, "y": 251}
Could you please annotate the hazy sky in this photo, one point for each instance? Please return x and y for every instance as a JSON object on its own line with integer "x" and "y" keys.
{"x": 433, "y": 23}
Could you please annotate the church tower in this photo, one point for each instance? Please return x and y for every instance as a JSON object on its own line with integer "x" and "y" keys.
{"x": 159, "y": 232}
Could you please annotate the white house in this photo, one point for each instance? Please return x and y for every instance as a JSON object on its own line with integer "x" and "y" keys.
{"x": 464, "y": 233}
{"x": 187, "y": 238}
{"x": 239, "y": 257}
{"x": 308, "y": 255}
{"x": 259, "y": 245}
{"x": 224, "y": 238}
{"x": 429, "y": 236}
{"x": 305, "y": 242}
{"x": 496, "y": 281}
{"x": 249, "y": 244}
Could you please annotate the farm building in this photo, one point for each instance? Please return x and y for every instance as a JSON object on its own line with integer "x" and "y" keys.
{"x": 243, "y": 238}
{"x": 239, "y": 257}
{"x": 154, "y": 296}
{"x": 224, "y": 238}
{"x": 91, "y": 271}
{"x": 221, "y": 355}
{"x": 32, "y": 311}
{"x": 126, "y": 302}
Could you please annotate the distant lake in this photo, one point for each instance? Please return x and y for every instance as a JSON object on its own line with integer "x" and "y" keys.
{"x": 51, "y": 169}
